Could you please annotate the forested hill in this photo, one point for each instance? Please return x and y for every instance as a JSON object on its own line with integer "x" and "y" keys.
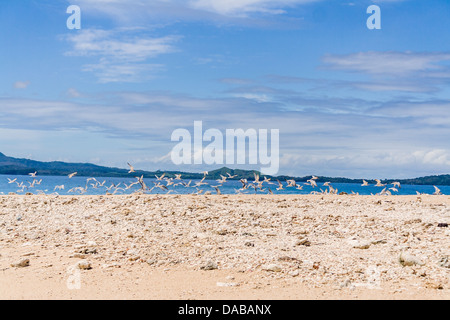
{"x": 15, "y": 166}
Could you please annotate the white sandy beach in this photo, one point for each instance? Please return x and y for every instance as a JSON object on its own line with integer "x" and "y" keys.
{"x": 225, "y": 247}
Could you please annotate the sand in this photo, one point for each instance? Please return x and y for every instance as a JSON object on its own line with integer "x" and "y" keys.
{"x": 238, "y": 247}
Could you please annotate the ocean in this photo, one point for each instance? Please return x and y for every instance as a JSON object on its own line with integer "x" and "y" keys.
{"x": 100, "y": 186}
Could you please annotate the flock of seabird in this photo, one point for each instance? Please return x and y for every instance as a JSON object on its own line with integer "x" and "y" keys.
{"x": 162, "y": 183}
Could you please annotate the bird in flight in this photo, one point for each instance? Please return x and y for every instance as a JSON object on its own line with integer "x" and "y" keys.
{"x": 230, "y": 176}
{"x": 131, "y": 168}
{"x": 33, "y": 175}
{"x": 365, "y": 183}
{"x": 312, "y": 182}
{"x": 280, "y": 186}
{"x": 223, "y": 180}
{"x": 437, "y": 191}
{"x": 291, "y": 183}
{"x": 397, "y": 185}
{"x": 160, "y": 178}
{"x": 72, "y": 175}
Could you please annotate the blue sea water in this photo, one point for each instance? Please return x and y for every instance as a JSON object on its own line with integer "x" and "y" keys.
{"x": 48, "y": 184}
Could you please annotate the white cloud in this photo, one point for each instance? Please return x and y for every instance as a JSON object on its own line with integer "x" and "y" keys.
{"x": 73, "y": 93}
{"x": 191, "y": 9}
{"x": 387, "y": 63}
{"x": 119, "y": 45}
{"x": 123, "y": 53}
{"x": 109, "y": 72}
{"x": 21, "y": 84}
{"x": 244, "y": 7}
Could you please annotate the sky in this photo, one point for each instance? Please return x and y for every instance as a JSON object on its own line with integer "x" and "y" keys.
{"x": 348, "y": 101}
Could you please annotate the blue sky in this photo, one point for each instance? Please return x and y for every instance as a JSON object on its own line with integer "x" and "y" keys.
{"x": 348, "y": 101}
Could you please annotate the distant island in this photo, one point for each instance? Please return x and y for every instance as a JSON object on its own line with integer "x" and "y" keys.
{"x": 15, "y": 166}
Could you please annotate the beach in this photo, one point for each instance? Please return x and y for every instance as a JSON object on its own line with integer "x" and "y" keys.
{"x": 225, "y": 247}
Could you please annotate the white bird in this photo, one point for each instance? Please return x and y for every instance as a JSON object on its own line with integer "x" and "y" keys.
{"x": 131, "y": 185}
{"x": 160, "y": 178}
{"x": 223, "y": 180}
{"x": 365, "y": 183}
{"x": 385, "y": 192}
{"x": 312, "y": 182}
{"x": 33, "y": 175}
{"x": 230, "y": 176}
{"x": 187, "y": 185}
{"x": 160, "y": 186}
{"x": 72, "y": 175}
{"x": 131, "y": 168}
{"x": 332, "y": 190}
{"x": 177, "y": 176}
{"x": 267, "y": 180}
{"x": 280, "y": 185}
{"x": 437, "y": 192}
{"x": 379, "y": 184}
{"x": 12, "y": 181}
{"x": 397, "y": 185}
{"x": 291, "y": 183}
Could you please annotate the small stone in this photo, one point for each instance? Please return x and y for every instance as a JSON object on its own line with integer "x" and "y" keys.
{"x": 222, "y": 232}
{"x": 408, "y": 260}
{"x": 28, "y": 254}
{"x": 152, "y": 262}
{"x": 346, "y": 284}
{"x": 134, "y": 258}
{"x": 227, "y": 284}
{"x": 363, "y": 245}
{"x": 443, "y": 225}
{"x": 303, "y": 242}
{"x": 21, "y": 264}
{"x": 272, "y": 268}
{"x": 445, "y": 262}
{"x": 210, "y": 266}
{"x": 84, "y": 265}
{"x": 294, "y": 273}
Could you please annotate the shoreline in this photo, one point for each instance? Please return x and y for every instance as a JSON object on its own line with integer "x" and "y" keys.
{"x": 225, "y": 247}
